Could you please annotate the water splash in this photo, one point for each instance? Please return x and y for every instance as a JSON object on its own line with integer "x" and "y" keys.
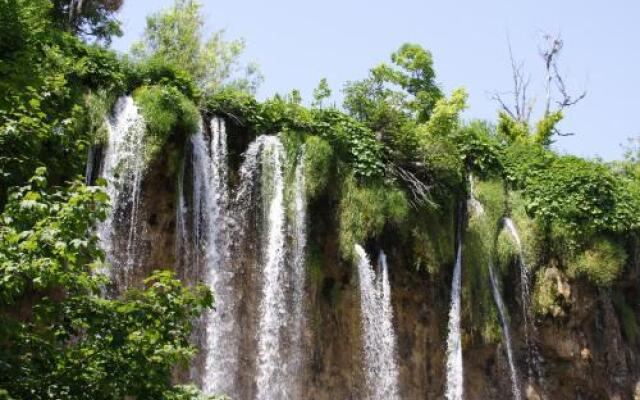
{"x": 272, "y": 307}
{"x": 534, "y": 358}
{"x": 123, "y": 168}
{"x": 381, "y": 371}
{"x": 495, "y": 289}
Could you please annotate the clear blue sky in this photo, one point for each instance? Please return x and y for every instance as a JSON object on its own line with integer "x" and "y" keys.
{"x": 296, "y": 43}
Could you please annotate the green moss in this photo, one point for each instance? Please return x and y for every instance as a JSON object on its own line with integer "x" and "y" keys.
{"x": 432, "y": 238}
{"x": 547, "y": 298}
{"x": 479, "y": 307}
{"x": 531, "y": 238}
{"x": 318, "y": 163}
{"x": 166, "y": 111}
{"x": 479, "y": 239}
{"x": 601, "y": 262}
{"x": 491, "y": 196}
{"x": 364, "y": 211}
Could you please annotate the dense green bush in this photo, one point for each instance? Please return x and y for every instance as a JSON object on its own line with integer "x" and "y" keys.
{"x": 364, "y": 211}
{"x": 60, "y": 337}
{"x": 44, "y": 75}
{"x": 156, "y": 71}
{"x": 166, "y": 111}
{"x": 479, "y": 238}
{"x": 318, "y": 165}
{"x": 601, "y": 263}
{"x": 585, "y": 197}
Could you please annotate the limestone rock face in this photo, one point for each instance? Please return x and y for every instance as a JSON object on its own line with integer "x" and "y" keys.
{"x": 586, "y": 355}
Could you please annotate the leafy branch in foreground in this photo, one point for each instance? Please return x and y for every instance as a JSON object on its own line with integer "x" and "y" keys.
{"x": 60, "y": 337}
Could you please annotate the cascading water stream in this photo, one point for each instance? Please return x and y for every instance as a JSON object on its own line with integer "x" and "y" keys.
{"x": 122, "y": 168}
{"x": 474, "y": 204}
{"x": 182, "y": 248}
{"x": 210, "y": 249}
{"x": 381, "y": 371}
{"x": 534, "y": 359}
{"x": 455, "y": 380}
{"x": 270, "y": 382}
{"x": 495, "y": 289}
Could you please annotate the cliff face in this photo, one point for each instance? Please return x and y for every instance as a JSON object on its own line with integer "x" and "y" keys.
{"x": 585, "y": 351}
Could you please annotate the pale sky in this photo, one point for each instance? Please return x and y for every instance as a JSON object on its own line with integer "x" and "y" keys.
{"x": 296, "y": 43}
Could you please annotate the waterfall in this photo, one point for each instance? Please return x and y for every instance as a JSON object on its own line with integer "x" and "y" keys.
{"x": 210, "y": 259}
{"x": 123, "y": 168}
{"x": 381, "y": 371}
{"x": 495, "y": 289}
{"x": 474, "y": 204}
{"x": 534, "y": 359}
{"x": 270, "y": 382}
{"x": 455, "y": 381}
{"x": 182, "y": 249}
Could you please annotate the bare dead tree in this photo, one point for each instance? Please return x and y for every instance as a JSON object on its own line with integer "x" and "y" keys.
{"x": 522, "y": 106}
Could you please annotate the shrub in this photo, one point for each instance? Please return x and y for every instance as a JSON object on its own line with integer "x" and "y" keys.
{"x": 166, "y": 111}
{"x": 601, "y": 263}
{"x": 477, "y": 255}
{"x": 364, "y": 211}
{"x": 318, "y": 162}
{"x": 550, "y": 293}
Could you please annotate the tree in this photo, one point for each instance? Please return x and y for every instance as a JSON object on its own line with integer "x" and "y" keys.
{"x": 175, "y": 37}
{"x": 514, "y": 119}
{"x": 393, "y": 95}
{"x": 323, "y": 91}
{"x": 45, "y": 74}
{"x": 60, "y": 337}
{"x": 89, "y": 18}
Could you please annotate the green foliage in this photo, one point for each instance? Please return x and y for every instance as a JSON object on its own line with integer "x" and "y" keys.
{"x": 44, "y": 76}
{"x": 88, "y": 18}
{"x": 69, "y": 342}
{"x": 479, "y": 148}
{"x": 512, "y": 130}
{"x": 582, "y": 197}
{"x": 318, "y": 164}
{"x": 155, "y": 71}
{"x": 477, "y": 254}
{"x": 321, "y": 93}
{"x": 166, "y": 111}
{"x": 549, "y": 295}
{"x": 46, "y": 240}
{"x": 516, "y": 131}
{"x": 432, "y": 233}
{"x": 364, "y": 211}
{"x": 355, "y": 143}
{"x": 174, "y": 36}
{"x": 97, "y": 106}
{"x": 531, "y": 239}
{"x": 545, "y": 128}
{"x": 446, "y": 113}
{"x": 352, "y": 142}
{"x": 601, "y": 263}
{"x": 414, "y": 73}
